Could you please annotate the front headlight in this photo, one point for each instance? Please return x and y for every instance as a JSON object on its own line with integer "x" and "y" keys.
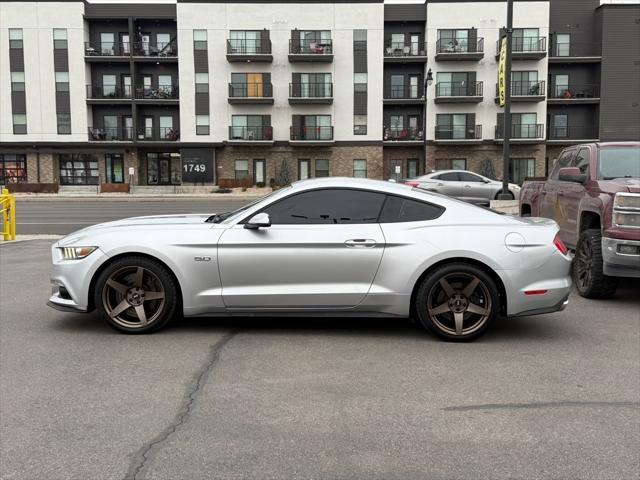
{"x": 626, "y": 219}
{"x": 626, "y": 201}
{"x": 76, "y": 253}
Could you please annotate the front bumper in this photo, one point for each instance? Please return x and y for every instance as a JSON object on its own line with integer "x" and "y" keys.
{"x": 617, "y": 264}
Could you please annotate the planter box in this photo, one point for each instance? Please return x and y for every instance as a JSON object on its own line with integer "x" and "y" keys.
{"x": 235, "y": 183}
{"x": 114, "y": 188}
{"x": 32, "y": 187}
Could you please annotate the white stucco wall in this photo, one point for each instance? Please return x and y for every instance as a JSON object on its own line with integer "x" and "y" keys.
{"x": 37, "y": 20}
{"x": 488, "y": 18}
{"x": 280, "y": 19}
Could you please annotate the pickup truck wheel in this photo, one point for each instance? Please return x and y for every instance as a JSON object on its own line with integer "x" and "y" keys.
{"x": 590, "y": 281}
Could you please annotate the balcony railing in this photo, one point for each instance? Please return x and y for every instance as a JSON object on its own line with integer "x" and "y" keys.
{"x": 572, "y": 132}
{"x": 459, "y": 89}
{"x": 458, "y": 132}
{"x": 157, "y": 92}
{"x": 533, "y": 88}
{"x": 155, "y": 49}
{"x": 404, "y": 92}
{"x": 306, "y": 47}
{"x": 260, "y": 133}
{"x": 405, "y": 49}
{"x": 575, "y": 49}
{"x": 528, "y": 44}
{"x": 401, "y": 134}
{"x": 108, "y": 92}
{"x": 311, "y": 133}
{"x": 522, "y": 131}
{"x": 451, "y": 45}
{"x": 248, "y": 47}
{"x": 161, "y": 134}
{"x": 574, "y": 91}
{"x": 250, "y": 90}
{"x": 108, "y": 134}
{"x": 311, "y": 90}
{"x": 107, "y": 49}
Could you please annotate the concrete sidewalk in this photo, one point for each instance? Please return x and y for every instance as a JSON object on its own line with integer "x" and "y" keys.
{"x": 126, "y": 197}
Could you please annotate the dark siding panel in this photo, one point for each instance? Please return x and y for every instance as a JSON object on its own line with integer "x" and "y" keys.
{"x": 295, "y": 40}
{"x": 63, "y": 104}
{"x": 200, "y": 61}
{"x": 360, "y": 61}
{"x": 16, "y": 59}
{"x": 202, "y": 104}
{"x": 405, "y": 12}
{"x": 18, "y": 103}
{"x": 620, "y": 89}
{"x": 60, "y": 60}
{"x": 359, "y": 103}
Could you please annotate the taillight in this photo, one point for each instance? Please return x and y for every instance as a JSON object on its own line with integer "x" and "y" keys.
{"x": 412, "y": 184}
{"x": 557, "y": 241}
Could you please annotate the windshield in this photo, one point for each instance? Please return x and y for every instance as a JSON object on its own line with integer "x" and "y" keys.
{"x": 619, "y": 162}
{"x": 221, "y": 217}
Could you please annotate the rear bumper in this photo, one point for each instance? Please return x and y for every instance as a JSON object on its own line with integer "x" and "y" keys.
{"x": 617, "y": 264}
{"x": 561, "y": 305}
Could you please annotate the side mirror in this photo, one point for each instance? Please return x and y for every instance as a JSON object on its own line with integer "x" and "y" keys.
{"x": 260, "y": 220}
{"x": 571, "y": 174}
{"x": 486, "y": 181}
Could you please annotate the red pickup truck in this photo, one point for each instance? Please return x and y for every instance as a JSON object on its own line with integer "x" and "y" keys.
{"x": 593, "y": 192}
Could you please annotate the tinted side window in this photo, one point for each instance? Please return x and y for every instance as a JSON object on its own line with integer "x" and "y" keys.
{"x": 328, "y": 206}
{"x": 398, "y": 209}
{"x": 582, "y": 160}
{"x": 449, "y": 177}
{"x": 469, "y": 177}
{"x": 563, "y": 161}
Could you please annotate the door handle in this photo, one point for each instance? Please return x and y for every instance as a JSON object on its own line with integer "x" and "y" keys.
{"x": 360, "y": 243}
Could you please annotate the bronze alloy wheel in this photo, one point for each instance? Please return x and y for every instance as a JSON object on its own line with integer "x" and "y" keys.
{"x": 133, "y": 297}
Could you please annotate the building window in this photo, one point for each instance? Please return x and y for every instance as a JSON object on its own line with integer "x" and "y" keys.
{"x": 241, "y": 169}
{"x": 79, "y": 169}
{"x": 17, "y": 81}
{"x": 19, "y": 123}
{"x": 15, "y": 38}
{"x": 526, "y": 40}
{"x": 360, "y": 82}
{"x": 524, "y": 125}
{"x": 453, "y": 41}
{"x": 245, "y": 41}
{"x": 251, "y": 127}
{"x": 202, "y": 83}
{"x": 13, "y": 168}
{"x": 359, "y": 124}
{"x": 64, "y": 123}
{"x": 62, "y": 82}
{"x": 560, "y": 125}
{"x": 359, "y": 39}
{"x": 164, "y": 169}
{"x": 360, "y": 168}
{"x": 114, "y": 168}
{"x": 199, "y": 39}
{"x": 563, "y": 45}
{"x": 451, "y": 164}
{"x": 60, "y": 38}
{"x": 521, "y": 168}
{"x": 202, "y": 124}
{"x": 525, "y": 83}
{"x": 322, "y": 168}
{"x": 249, "y": 85}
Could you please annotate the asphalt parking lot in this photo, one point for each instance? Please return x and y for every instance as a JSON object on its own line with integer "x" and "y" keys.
{"x": 550, "y": 397}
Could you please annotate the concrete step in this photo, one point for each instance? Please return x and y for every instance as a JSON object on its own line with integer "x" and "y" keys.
{"x": 171, "y": 189}
{"x": 78, "y": 190}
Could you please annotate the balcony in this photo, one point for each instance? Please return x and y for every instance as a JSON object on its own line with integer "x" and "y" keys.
{"x": 242, "y": 50}
{"x": 526, "y": 48}
{"x": 454, "y": 50}
{"x": 400, "y": 136}
{"x": 574, "y": 94}
{"x": 405, "y": 52}
{"x": 403, "y": 94}
{"x": 575, "y": 52}
{"x": 157, "y": 94}
{"x": 522, "y": 133}
{"x": 458, "y": 134}
{"x": 156, "y": 51}
{"x": 107, "y": 51}
{"x": 532, "y": 91}
{"x": 305, "y": 51}
{"x": 108, "y": 94}
{"x": 260, "y": 135}
{"x": 571, "y": 134}
{"x": 110, "y": 134}
{"x": 459, "y": 92}
{"x": 251, "y": 93}
{"x": 311, "y": 93}
{"x": 310, "y": 135}
{"x": 162, "y": 134}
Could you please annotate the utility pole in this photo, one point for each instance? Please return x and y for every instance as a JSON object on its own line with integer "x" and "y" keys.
{"x": 506, "y": 146}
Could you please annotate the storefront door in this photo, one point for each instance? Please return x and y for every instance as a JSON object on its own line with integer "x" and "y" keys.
{"x": 165, "y": 168}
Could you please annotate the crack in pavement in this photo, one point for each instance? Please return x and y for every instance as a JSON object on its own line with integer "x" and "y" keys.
{"x": 516, "y": 406}
{"x": 144, "y": 454}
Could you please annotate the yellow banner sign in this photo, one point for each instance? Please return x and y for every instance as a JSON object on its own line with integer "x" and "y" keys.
{"x": 502, "y": 66}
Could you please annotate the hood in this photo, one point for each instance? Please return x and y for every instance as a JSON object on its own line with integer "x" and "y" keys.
{"x": 631, "y": 185}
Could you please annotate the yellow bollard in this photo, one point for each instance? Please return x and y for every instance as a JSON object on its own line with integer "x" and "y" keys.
{"x": 12, "y": 218}
{"x": 8, "y": 213}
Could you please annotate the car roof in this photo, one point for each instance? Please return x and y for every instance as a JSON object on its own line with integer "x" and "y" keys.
{"x": 348, "y": 182}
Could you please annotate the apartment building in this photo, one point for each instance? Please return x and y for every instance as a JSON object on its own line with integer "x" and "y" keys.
{"x": 233, "y": 93}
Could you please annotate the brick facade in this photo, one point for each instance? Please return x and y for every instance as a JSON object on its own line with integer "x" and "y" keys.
{"x": 42, "y": 168}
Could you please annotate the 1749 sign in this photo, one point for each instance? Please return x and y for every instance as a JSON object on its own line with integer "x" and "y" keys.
{"x": 197, "y": 169}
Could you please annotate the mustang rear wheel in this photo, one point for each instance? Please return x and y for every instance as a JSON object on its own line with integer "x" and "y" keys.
{"x": 457, "y": 302}
{"x": 136, "y": 295}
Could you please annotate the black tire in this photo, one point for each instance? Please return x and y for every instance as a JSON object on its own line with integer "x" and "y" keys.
{"x": 133, "y": 302}
{"x": 587, "y": 269}
{"x": 432, "y": 295}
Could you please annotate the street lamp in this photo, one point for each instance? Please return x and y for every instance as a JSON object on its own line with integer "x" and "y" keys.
{"x": 506, "y": 146}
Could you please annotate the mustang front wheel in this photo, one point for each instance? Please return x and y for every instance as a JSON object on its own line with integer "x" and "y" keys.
{"x": 136, "y": 295}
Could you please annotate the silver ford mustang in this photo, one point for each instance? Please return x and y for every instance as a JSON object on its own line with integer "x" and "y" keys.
{"x": 329, "y": 246}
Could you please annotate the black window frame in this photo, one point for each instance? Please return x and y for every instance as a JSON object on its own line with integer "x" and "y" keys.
{"x": 19, "y": 128}
{"x": 62, "y": 125}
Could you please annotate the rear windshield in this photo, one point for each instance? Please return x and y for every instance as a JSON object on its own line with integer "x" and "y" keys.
{"x": 619, "y": 162}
